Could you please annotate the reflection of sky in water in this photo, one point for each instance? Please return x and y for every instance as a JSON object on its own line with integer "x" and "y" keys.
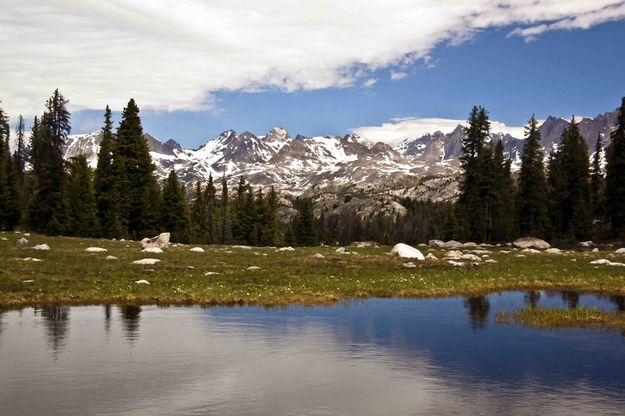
{"x": 377, "y": 357}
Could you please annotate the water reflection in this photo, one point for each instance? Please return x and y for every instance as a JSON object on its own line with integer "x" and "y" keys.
{"x": 570, "y": 298}
{"x": 56, "y": 323}
{"x": 532, "y": 298}
{"x": 478, "y": 307}
{"x": 130, "y": 320}
{"x": 107, "y": 319}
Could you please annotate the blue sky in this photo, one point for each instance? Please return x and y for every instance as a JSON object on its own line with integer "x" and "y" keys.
{"x": 382, "y": 68}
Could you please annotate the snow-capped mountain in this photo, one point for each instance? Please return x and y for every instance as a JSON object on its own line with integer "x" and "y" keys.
{"x": 300, "y": 163}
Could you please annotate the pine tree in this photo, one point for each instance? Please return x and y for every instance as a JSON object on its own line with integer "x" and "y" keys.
{"x": 199, "y": 216}
{"x": 226, "y": 231}
{"x": 83, "y": 217}
{"x": 532, "y": 214}
{"x": 212, "y": 215}
{"x": 104, "y": 182}
{"x": 615, "y": 176}
{"x": 570, "y": 193}
{"x": 9, "y": 180}
{"x": 46, "y": 206}
{"x": 305, "y": 223}
{"x": 20, "y": 154}
{"x": 174, "y": 214}
{"x": 136, "y": 185}
{"x": 503, "y": 213}
{"x": 597, "y": 181}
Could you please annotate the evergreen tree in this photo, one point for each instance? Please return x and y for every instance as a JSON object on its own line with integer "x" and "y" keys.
{"x": 532, "y": 214}
{"x": 174, "y": 214}
{"x": 105, "y": 182}
{"x": 305, "y": 223}
{"x": 473, "y": 204}
{"x": 597, "y": 181}
{"x": 272, "y": 231}
{"x": 226, "y": 231}
{"x": 20, "y": 154}
{"x": 199, "y": 216}
{"x": 615, "y": 176}
{"x": 9, "y": 180}
{"x": 212, "y": 215}
{"x": 570, "y": 192}
{"x": 136, "y": 185}
{"x": 503, "y": 213}
{"x": 83, "y": 217}
{"x": 47, "y": 203}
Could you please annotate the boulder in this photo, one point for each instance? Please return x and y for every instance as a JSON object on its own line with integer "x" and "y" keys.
{"x": 210, "y": 273}
{"x": 531, "y": 242}
{"x": 409, "y": 265}
{"x": 153, "y": 250}
{"x": 160, "y": 241}
{"x": 620, "y": 251}
{"x": 453, "y": 244}
{"x": 553, "y": 250}
{"x": 197, "y": 250}
{"x": 406, "y": 252}
{"x": 363, "y": 244}
{"x": 606, "y": 262}
{"x": 95, "y": 250}
{"x": 469, "y": 244}
{"x": 146, "y": 261}
{"x": 242, "y": 247}
{"x": 252, "y": 268}
{"x": 282, "y": 249}
{"x": 319, "y": 256}
{"x": 470, "y": 257}
{"x": 340, "y": 250}
{"x": 431, "y": 257}
{"x": 586, "y": 244}
{"x": 436, "y": 243}
{"x": 111, "y": 258}
{"x": 41, "y": 247}
{"x": 530, "y": 251}
{"x": 453, "y": 254}
{"x": 22, "y": 241}
{"x": 142, "y": 282}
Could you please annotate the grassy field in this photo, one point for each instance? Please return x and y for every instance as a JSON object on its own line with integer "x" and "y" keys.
{"x": 68, "y": 275}
{"x": 544, "y": 318}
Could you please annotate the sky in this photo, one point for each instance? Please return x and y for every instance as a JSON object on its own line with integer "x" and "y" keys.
{"x": 384, "y": 69}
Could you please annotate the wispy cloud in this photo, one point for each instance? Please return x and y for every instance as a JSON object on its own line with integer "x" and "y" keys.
{"x": 401, "y": 128}
{"x": 398, "y": 75}
{"x": 369, "y": 83}
{"x": 175, "y": 56}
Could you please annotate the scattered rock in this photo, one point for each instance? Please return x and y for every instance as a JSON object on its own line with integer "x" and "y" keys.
{"x": 520, "y": 255}
{"x": 490, "y": 261}
{"x": 607, "y": 262}
{"x": 409, "y": 265}
{"x": 453, "y": 254}
{"x": 191, "y": 267}
{"x": 282, "y": 249}
{"x": 160, "y": 241}
{"x": 142, "y": 282}
{"x": 620, "y": 251}
{"x": 30, "y": 259}
{"x": 242, "y": 247}
{"x": 22, "y": 241}
{"x": 455, "y": 263}
{"x": 197, "y": 250}
{"x": 27, "y": 281}
{"x": 153, "y": 250}
{"x": 453, "y": 244}
{"x": 470, "y": 257}
{"x": 95, "y": 250}
{"x": 340, "y": 250}
{"x": 111, "y": 258}
{"x": 252, "y": 268}
{"x": 41, "y": 247}
{"x": 586, "y": 244}
{"x": 531, "y": 242}
{"x": 210, "y": 273}
{"x": 436, "y": 243}
{"x": 431, "y": 257}
{"x": 553, "y": 250}
{"x": 595, "y": 250}
{"x": 4, "y": 239}
{"x": 146, "y": 261}
{"x": 469, "y": 244}
{"x": 363, "y": 244}
{"x": 407, "y": 252}
{"x": 319, "y": 256}
{"x": 530, "y": 251}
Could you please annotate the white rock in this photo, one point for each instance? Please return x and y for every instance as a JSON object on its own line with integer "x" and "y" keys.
{"x": 146, "y": 261}
{"x": 530, "y": 251}
{"x": 480, "y": 251}
{"x": 595, "y": 250}
{"x": 469, "y": 244}
{"x": 95, "y": 250}
{"x": 197, "y": 250}
{"x": 470, "y": 257}
{"x": 490, "y": 261}
{"x": 111, "y": 258}
{"x": 453, "y": 244}
{"x": 142, "y": 282}
{"x": 453, "y": 254}
{"x": 4, "y": 239}
{"x": 455, "y": 263}
{"x": 22, "y": 241}
{"x": 407, "y": 252}
{"x": 585, "y": 243}
{"x": 41, "y": 247}
{"x": 531, "y": 242}
{"x": 282, "y": 249}
{"x": 27, "y": 281}
{"x": 409, "y": 265}
{"x": 153, "y": 250}
{"x": 520, "y": 255}
{"x": 319, "y": 256}
{"x": 252, "y": 268}
{"x": 436, "y": 243}
{"x": 553, "y": 250}
{"x": 340, "y": 250}
{"x": 242, "y": 247}
{"x": 210, "y": 273}
{"x": 606, "y": 262}
{"x": 431, "y": 257}
{"x": 620, "y": 251}
{"x": 160, "y": 241}
{"x": 363, "y": 244}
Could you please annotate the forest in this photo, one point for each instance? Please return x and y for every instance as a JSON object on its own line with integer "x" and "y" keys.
{"x": 567, "y": 196}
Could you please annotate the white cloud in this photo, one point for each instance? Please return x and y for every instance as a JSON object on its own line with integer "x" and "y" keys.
{"x": 369, "y": 83}
{"x": 176, "y": 55}
{"x": 398, "y": 75}
{"x": 402, "y": 128}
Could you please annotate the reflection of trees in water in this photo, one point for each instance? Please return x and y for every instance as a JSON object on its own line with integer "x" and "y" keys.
{"x": 571, "y": 299}
{"x": 532, "y": 298}
{"x": 618, "y": 301}
{"x": 478, "y": 307}
{"x": 130, "y": 320}
{"x": 56, "y": 322}
{"x": 107, "y": 319}
{"x": 1, "y": 313}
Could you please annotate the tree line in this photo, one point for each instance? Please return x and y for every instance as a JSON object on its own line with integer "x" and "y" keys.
{"x": 570, "y": 198}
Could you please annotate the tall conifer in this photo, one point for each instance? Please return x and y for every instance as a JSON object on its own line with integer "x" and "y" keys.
{"x": 615, "y": 176}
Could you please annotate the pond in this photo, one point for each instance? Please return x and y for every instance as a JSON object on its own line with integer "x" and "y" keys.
{"x": 370, "y": 357}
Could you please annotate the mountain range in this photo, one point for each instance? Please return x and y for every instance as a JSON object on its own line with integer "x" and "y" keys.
{"x": 421, "y": 167}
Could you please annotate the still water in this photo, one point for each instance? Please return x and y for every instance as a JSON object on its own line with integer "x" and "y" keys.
{"x": 374, "y": 357}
